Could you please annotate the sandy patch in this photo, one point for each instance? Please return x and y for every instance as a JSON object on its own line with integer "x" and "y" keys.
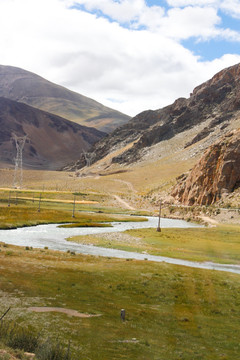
{"x": 119, "y": 237}
{"x": 209, "y": 220}
{"x": 62, "y": 310}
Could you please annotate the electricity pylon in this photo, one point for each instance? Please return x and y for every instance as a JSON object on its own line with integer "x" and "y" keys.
{"x": 18, "y": 171}
{"x": 88, "y": 158}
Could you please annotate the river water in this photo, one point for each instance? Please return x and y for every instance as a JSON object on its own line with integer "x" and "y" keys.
{"x": 54, "y": 238}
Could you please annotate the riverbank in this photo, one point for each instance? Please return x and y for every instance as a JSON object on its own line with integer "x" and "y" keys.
{"x": 171, "y": 311}
{"x": 219, "y": 244}
{"x": 178, "y": 243}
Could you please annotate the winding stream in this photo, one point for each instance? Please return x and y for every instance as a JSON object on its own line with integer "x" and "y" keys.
{"x": 54, "y": 238}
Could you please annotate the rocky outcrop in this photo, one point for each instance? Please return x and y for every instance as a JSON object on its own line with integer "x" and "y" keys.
{"x": 217, "y": 172}
{"x": 214, "y": 103}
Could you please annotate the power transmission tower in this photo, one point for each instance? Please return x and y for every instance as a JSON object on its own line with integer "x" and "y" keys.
{"x": 18, "y": 171}
{"x": 88, "y": 157}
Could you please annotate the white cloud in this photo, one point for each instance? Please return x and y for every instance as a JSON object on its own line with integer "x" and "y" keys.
{"x": 190, "y": 22}
{"x": 185, "y": 19}
{"x": 202, "y": 23}
{"x": 182, "y": 3}
{"x": 128, "y": 69}
{"x": 123, "y": 11}
{"x": 231, "y": 7}
{"x": 134, "y": 12}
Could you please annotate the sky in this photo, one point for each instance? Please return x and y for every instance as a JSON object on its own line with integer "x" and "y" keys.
{"x": 130, "y": 55}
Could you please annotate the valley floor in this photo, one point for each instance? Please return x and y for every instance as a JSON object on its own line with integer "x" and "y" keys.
{"x": 172, "y": 312}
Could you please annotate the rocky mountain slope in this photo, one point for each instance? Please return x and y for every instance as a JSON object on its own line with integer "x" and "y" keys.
{"x": 215, "y": 175}
{"x": 212, "y": 109}
{"x": 52, "y": 141}
{"x": 151, "y": 153}
{"x": 23, "y": 86}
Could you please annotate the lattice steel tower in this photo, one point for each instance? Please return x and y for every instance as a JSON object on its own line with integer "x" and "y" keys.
{"x": 18, "y": 171}
{"x": 88, "y": 158}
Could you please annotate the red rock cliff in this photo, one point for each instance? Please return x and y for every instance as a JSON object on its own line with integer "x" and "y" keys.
{"x": 217, "y": 172}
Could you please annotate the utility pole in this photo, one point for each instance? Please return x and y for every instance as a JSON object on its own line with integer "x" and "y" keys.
{"x": 73, "y": 212}
{"x": 39, "y": 203}
{"x": 16, "y": 198}
{"x": 159, "y": 217}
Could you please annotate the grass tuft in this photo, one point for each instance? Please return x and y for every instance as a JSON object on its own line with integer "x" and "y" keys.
{"x": 17, "y": 337}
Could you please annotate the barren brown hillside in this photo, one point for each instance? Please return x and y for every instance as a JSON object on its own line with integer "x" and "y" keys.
{"x": 52, "y": 141}
{"x": 23, "y": 86}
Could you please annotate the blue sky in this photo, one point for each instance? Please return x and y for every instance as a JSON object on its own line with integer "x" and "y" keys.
{"x": 131, "y": 55}
{"x": 216, "y": 47}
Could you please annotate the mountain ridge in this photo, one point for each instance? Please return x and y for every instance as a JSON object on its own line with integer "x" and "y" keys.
{"x": 52, "y": 140}
{"x": 24, "y": 86}
{"x": 155, "y": 148}
{"x": 211, "y": 107}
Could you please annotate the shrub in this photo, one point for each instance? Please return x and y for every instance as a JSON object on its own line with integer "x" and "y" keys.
{"x": 23, "y": 339}
{"x": 52, "y": 351}
{"x": 9, "y": 253}
{"x": 17, "y": 337}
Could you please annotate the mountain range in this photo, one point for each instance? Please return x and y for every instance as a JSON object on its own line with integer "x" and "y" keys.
{"x": 164, "y": 153}
{"x": 169, "y": 141}
{"x": 53, "y": 117}
{"x": 52, "y": 141}
{"x": 211, "y": 109}
{"x": 26, "y": 87}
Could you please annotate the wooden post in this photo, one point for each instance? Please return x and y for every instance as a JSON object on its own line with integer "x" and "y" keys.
{"x": 39, "y": 203}
{"x": 73, "y": 212}
{"x": 9, "y": 198}
{"x": 16, "y": 199}
{"x": 159, "y": 217}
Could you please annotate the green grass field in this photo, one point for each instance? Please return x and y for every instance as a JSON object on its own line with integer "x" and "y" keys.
{"x": 172, "y": 312}
{"x": 218, "y": 244}
{"x": 27, "y": 209}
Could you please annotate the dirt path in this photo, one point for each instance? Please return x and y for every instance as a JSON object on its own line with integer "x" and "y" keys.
{"x": 129, "y": 185}
{"x": 209, "y": 220}
{"x": 123, "y": 202}
{"x": 62, "y": 310}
